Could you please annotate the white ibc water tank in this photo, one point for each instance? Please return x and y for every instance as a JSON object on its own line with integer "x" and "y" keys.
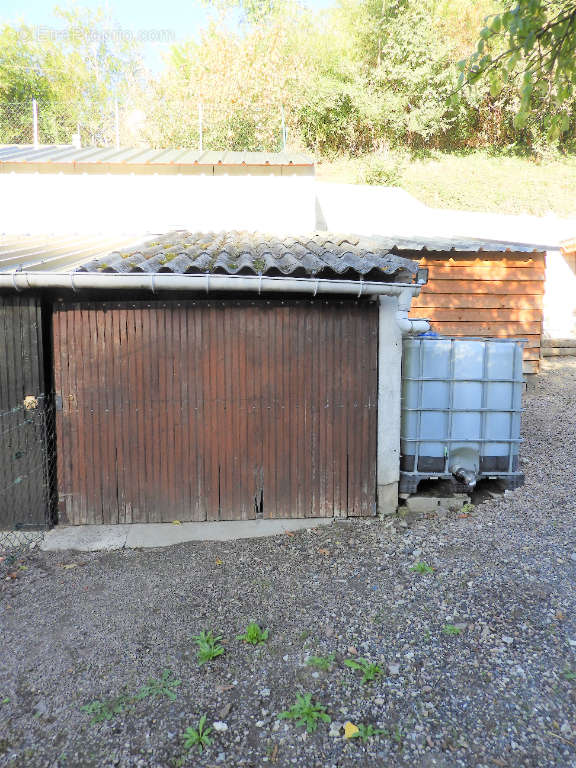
{"x": 461, "y": 408}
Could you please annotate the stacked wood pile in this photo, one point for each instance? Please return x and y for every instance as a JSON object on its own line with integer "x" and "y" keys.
{"x": 485, "y": 294}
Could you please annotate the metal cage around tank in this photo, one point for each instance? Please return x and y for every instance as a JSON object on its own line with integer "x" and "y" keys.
{"x": 461, "y": 410}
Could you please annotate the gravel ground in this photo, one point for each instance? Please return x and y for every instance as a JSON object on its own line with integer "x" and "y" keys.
{"x": 501, "y": 692}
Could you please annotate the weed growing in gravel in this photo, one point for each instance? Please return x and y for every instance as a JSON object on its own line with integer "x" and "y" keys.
{"x": 451, "y": 629}
{"x": 422, "y": 568}
{"x": 105, "y": 710}
{"x": 166, "y": 686}
{"x": 321, "y": 662}
{"x": 254, "y": 635}
{"x": 467, "y": 508}
{"x": 398, "y": 736}
{"x": 197, "y": 737}
{"x": 208, "y": 646}
{"x": 370, "y": 671}
{"x": 6, "y": 700}
{"x": 569, "y": 675}
{"x": 306, "y": 713}
{"x": 367, "y": 732}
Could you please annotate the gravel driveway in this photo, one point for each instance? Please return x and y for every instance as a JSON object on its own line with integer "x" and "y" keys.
{"x": 477, "y": 658}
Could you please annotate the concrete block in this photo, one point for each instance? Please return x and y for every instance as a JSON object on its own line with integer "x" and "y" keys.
{"x": 453, "y": 503}
{"x": 422, "y": 504}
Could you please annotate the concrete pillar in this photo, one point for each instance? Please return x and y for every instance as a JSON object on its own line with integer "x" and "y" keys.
{"x": 389, "y": 388}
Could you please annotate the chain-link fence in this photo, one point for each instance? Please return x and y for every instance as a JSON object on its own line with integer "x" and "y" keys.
{"x": 27, "y": 475}
{"x": 187, "y": 124}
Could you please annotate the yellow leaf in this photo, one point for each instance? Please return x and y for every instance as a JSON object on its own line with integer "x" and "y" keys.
{"x": 218, "y": 561}
{"x": 350, "y": 730}
{"x": 176, "y": 522}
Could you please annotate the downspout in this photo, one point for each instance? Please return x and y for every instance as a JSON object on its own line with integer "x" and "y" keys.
{"x": 407, "y": 326}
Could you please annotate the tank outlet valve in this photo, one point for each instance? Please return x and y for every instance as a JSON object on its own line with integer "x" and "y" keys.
{"x": 466, "y": 476}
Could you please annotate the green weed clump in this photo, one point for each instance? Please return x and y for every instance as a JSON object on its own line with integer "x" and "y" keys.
{"x": 254, "y": 635}
{"x": 422, "y": 568}
{"x": 198, "y": 737}
{"x": 209, "y": 646}
{"x": 370, "y": 671}
{"x": 321, "y": 662}
{"x": 306, "y": 713}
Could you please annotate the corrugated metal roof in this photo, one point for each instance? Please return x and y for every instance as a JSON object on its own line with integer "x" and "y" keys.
{"x": 50, "y": 253}
{"x": 443, "y": 244}
{"x": 254, "y": 253}
{"x": 231, "y": 253}
{"x": 18, "y": 153}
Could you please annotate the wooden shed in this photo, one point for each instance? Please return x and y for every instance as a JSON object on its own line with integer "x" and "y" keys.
{"x": 482, "y": 288}
{"x": 219, "y": 376}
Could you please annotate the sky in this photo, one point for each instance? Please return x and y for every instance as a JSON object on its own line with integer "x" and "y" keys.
{"x": 171, "y": 20}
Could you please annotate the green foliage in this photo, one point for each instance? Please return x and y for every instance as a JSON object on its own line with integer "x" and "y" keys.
{"x": 361, "y": 77}
{"x": 387, "y": 172}
{"x": 254, "y": 635}
{"x": 166, "y": 686}
{"x": 422, "y": 568}
{"x": 530, "y": 43}
{"x": 467, "y": 508}
{"x": 569, "y": 675}
{"x": 306, "y": 713}
{"x": 321, "y": 662}
{"x": 73, "y": 78}
{"x": 369, "y": 670}
{"x": 209, "y": 646}
{"x": 451, "y": 629}
{"x": 105, "y": 710}
{"x": 197, "y": 737}
{"x": 367, "y": 732}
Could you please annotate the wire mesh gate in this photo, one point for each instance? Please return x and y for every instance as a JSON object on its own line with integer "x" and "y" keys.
{"x": 27, "y": 471}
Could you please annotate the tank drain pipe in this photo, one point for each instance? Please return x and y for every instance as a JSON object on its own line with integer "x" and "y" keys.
{"x": 407, "y": 326}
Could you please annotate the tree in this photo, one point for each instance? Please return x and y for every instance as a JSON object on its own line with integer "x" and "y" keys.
{"x": 74, "y": 75}
{"x": 531, "y": 47}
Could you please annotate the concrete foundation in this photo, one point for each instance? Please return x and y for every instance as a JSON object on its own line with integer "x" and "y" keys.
{"x": 387, "y": 499}
{"x": 95, "y": 538}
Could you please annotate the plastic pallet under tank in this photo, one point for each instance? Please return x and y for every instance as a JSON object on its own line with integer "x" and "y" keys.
{"x": 461, "y": 411}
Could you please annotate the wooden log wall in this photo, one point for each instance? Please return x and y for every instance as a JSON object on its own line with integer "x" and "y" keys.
{"x": 485, "y": 294}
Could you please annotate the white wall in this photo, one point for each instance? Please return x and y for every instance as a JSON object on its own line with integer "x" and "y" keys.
{"x": 109, "y": 203}
{"x": 559, "y": 297}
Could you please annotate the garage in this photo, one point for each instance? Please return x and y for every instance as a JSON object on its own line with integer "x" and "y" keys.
{"x": 215, "y": 410}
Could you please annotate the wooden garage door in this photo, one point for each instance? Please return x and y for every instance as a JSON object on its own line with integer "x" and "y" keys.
{"x": 208, "y": 410}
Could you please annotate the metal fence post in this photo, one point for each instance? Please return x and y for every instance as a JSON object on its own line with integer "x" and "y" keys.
{"x": 35, "y": 124}
{"x": 283, "y": 127}
{"x": 116, "y": 124}
{"x": 200, "y": 128}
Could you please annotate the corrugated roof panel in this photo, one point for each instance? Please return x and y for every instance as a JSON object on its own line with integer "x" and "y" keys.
{"x": 181, "y": 252}
{"x": 144, "y": 155}
{"x": 55, "y": 253}
{"x": 236, "y": 252}
{"x": 439, "y": 244}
